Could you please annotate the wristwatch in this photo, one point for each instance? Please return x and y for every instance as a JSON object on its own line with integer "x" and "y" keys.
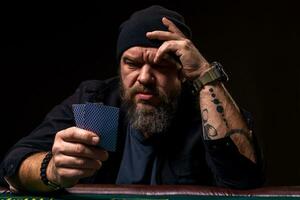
{"x": 215, "y": 73}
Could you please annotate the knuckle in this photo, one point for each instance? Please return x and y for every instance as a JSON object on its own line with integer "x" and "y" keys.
{"x": 187, "y": 42}
{"x": 58, "y": 136}
{"x": 72, "y": 129}
{"x": 56, "y": 148}
{"x": 79, "y": 148}
{"x": 89, "y": 137}
{"x": 80, "y": 162}
{"x": 57, "y": 161}
{"x": 62, "y": 173}
{"x": 71, "y": 132}
{"x": 67, "y": 174}
{"x": 167, "y": 44}
{"x": 169, "y": 34}
{"x": 79, "y": 172}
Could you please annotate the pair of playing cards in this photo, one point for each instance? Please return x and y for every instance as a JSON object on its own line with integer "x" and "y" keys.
{"x": 101, "y": 119}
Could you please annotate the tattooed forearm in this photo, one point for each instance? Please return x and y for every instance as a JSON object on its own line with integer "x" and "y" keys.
{"x": 218, "y": 105}
{"x": 221, "y": 118}
{"x": 209, "y": 131}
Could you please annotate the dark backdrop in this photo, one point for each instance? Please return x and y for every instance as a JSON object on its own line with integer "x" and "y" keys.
{"x": 47, "y": 49}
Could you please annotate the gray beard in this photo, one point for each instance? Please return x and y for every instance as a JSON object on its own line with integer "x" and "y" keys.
{"x": 155, "y": 120}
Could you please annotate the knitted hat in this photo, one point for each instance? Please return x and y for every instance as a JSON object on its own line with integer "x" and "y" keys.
{"x": 133, "y": 31}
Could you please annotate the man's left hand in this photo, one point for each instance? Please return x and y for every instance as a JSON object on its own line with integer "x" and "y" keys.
{"x": 193, "y": 63}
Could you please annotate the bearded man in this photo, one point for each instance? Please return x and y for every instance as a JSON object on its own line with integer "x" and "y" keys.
{"x": 177, "y": 122}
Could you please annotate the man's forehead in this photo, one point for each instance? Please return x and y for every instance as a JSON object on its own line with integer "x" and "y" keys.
{"x": 137, "y": 52}
{"x": 147, "y": 54}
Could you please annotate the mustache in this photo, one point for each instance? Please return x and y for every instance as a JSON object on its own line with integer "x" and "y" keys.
{"x": 143, "y": 89}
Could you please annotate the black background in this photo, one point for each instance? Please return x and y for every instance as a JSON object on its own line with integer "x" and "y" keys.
{"x": 48, "y": 48}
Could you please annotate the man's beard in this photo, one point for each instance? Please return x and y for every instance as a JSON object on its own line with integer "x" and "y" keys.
{"x": 153, "y": 119}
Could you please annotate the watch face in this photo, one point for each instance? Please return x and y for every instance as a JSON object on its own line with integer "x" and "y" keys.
{"x": 215, "y": 73}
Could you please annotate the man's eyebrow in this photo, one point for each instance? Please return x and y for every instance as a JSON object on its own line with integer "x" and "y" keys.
{"x": 128, "y": 57}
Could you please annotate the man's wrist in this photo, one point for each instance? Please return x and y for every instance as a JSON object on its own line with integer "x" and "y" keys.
{"x": 211, "y": 75}
{"x": 44, "y": 172}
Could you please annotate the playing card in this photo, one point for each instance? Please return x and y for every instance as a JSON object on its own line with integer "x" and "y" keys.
{"x": 79, "y": 110}
{"x": 101, "y": 119}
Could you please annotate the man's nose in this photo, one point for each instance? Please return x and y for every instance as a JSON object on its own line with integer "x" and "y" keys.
{"x": 146, "y": 75}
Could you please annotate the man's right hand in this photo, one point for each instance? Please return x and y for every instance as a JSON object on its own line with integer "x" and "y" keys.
{"x": 75, "y": 156}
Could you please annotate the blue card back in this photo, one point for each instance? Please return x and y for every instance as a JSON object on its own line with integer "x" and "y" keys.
{"x": 103, "y": 120}
{"x": 79, "y": 110}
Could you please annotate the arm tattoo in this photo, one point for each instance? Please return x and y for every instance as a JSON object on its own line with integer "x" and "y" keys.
{"x": 205, "y": 115}
{"x": 208, "y": 130}
{"x": 219, "y": 107}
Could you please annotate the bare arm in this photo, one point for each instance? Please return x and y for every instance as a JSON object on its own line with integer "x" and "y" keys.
{"x": 74, "y": 157}
{"x": 221, "y": 116}
{"x": 28, "y": 176}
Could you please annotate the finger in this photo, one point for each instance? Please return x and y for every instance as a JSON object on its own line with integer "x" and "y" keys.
{"x": 75, "y": 134}
{"x": 169, "y": 60}
{"x": 69, "y": 175}
{"x": 172, "y": 27}
{"x": 166, "y": 48}
{"x": 76, "y": 162}
{"x": 162, "y": 35}
{"x": 80, "y": 150}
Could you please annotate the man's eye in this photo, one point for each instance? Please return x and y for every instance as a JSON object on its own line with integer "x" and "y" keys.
{"x": 132, "y": 64}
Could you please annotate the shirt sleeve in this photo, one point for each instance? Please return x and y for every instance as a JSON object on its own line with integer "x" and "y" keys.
{"x": 41, "y": 139}
{"x": 232, "y": 169}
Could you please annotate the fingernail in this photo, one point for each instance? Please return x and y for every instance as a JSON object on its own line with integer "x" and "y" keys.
{"x": 95, "y": 140}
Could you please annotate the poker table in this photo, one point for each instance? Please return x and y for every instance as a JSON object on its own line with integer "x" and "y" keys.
{"x": 164, "y": 192}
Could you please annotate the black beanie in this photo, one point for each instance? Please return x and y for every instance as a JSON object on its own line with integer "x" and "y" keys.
{"x": 133, "y": 31}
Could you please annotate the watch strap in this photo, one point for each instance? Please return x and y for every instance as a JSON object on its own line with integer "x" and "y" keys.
{"x": 214, "y": 73}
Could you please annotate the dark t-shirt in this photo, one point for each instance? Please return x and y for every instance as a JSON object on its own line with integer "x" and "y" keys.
{"x": 180, "y": 156}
